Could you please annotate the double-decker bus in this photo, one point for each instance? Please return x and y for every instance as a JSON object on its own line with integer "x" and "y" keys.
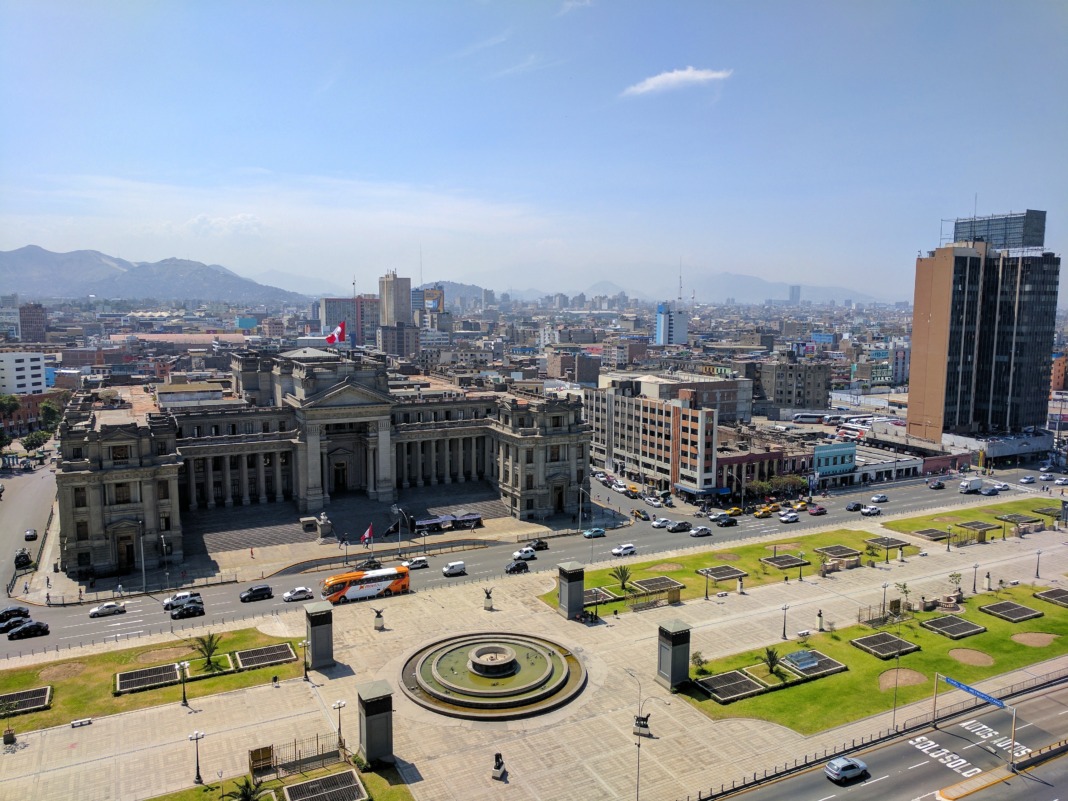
{"x": 359, "y": 585}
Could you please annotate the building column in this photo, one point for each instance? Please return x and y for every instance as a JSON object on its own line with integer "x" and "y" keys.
{"x": 312, "y": 467}
{"x": 448, "y": 460}
{"x": 420, "y": 455}
{"x": 191, "y": 470}
{"x": 460, "y": 460}
{"x": 402, "y": 463}
{"x": 175, "y": 506}
{"x": 279, "y": 494}
{"x": 369, "y": 479}
{"x": 433, "y": 445}
{"x": 261, "y": 478}
{"x": 384, "y": 478}
{"x": 325, "y": 459}
{"x": 228, "y": 495}
{"x": 209, "y": 481}
{"x": 242, "y": 476}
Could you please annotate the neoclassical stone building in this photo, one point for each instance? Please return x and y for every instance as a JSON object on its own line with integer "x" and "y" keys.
{"x": 296, "y": 428}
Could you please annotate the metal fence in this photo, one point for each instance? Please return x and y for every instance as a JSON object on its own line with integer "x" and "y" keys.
{"x": 297, "y": 755}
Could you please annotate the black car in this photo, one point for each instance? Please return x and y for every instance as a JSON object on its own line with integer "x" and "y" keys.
{"x": 937, "y": 485}
{"x": 631, "y": 494}
{"x": 9, "y": 612}
{"x": 538, "y": 545}
{"x": 726, "y": 520}
{"x": 260, "y": 592}
{"x": 369, "y": 564}
{"x": 22, "y": 558}
{"x": 31, "y": 628}
{"x": 854, "y": 506}
{"x": 517, "y": 566}
{"x": 189, "y": 610}
{"x": 13, "y": 623}
{"x": 682, "y": 525}
{"x": 988, "y": 491}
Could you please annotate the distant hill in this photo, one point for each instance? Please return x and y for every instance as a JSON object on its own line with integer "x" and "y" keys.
{"x": 33, "y": 271}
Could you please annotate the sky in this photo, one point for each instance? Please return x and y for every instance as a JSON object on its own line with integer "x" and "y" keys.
{"x": 522, "y": 144}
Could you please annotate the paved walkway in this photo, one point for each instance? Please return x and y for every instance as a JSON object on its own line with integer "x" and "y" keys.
{"x": 581, "y": 752}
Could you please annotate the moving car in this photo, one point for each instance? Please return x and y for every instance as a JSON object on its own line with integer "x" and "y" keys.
{"x": 773, "y": 507}
{"x": 817, "y": 510}
{"x": 853, "y": 506}
{"x": 1061, "y": 482}
{"x": 879, "y": 498}
{"x": 538, "y": 545}
{"x": 180, "y": 599}
{"x": 31, "y": 534}
{"x": 369, "y": 564}
{"x": 9, "y": 612}
{"x": 937, "y": 485}
{"x": 454, "y": 569}
{"x": 1027, "y": 480}
{"x": 189, "y": 610}
{"x": 842, "y": 769}
{"x": 416, "y": 563}
{"x": 789, "y": 517}
{"x": 871, "y": 511}
{"x": 624, "y": 550}
{"x": 298, "y": 594}
{"x": 725, "y": 521}
{"x": 734, "y": 511}
{"x": 14, "y": 623}
{"x": 704, "y": 531}
{"x": 590, "y": 533}
{"x": 517, "y": 566}
{"x": 680, "y": 525}
{"x": 1045, "y": 476}
{"x": 31, "y": 628}
{"x": 1000, "y": 486}
{"x": 525, "y": 553}
{"x": 257, "y": 592}
{"x": 631, "y": 494}
{"x": 762, "y": 513}
{"x": 110, "y": 608}
{"x": 22, "y": 558}
{"x": 800, "y": 506}
{"x": 661, "y": 522}
{"x": 988, "y": 491}
{"x": 639, "y": 514}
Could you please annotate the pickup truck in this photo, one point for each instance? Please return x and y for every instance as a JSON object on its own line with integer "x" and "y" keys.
{"x": 181, "y": 599}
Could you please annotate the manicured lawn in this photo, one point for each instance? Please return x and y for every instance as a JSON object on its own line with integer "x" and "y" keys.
{"x": 744, "y": 557}
{"x": 818, "y": 705}
{"x": 82, "y": 686}
{"x": 383, "y": 785}
{"x": 984, "y": 514}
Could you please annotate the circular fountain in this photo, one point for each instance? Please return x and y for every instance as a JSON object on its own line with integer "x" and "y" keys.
{"x": 498, "y": 676}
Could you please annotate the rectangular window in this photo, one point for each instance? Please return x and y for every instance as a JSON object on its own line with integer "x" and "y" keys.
{"x": 80, "y": 500}
{"x": 164, "y": 522}
{"x": 554, "y": 453}
{"x": 76, "y": 453}
{"x": 530, "y": 455}
{"x": 81, "y": 531}
{"x": 163, "y": 490}
{"x": 266, "y": 427}
{"x": 122, "y": 493}
{"x": 530, "y": 482}
{"x": 530, "y": 504}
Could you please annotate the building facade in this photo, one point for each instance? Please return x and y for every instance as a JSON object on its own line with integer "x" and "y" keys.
{"x": 33, "y": 320}
{"x": 22, "y": 373}
{"x": 395, "y": 299}
{"x": 801, "y": 384}
{"x": 670, "y": 325}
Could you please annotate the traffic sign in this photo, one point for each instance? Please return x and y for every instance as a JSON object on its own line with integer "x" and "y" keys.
{"x": 977, "y": 693}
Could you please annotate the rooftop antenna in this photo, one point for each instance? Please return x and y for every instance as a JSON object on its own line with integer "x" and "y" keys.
{"x": 420, "y": 265}
{"x": 680, "y": 281}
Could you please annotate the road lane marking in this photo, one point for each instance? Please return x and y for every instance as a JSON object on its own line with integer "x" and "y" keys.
{"x": 828, "y": 797}
{"x": 872, "y": 781}
{"x": 920, "y": 764}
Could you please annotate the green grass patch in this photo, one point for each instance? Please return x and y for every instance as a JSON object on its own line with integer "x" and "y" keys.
{"x": 984, "y": 514}
{"x": 83, "y": 685}
{"x": 814, "y": 706}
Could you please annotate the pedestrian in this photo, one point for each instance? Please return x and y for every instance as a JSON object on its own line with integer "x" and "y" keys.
{"x": 48, "y": 582}
{"x": 48, "y": 599}
{"x": 79, "y": 595}
{"x": 25, "y": 587}
{"x": 119, "y": 588}
{"x": 252, "y": 553}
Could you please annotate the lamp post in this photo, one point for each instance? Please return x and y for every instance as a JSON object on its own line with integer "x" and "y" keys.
{"x": 975, "y": 577}
{"x": 885, "y": 585}
{"x": 304, "y": 646}
{"x": 949, "y": 537}
{"x": 339, "y": 705}
{"x": 639, "y": 723}
{"x": 196, "y": 737}
{"x": 801, "y": 566}
{"x": 182, "y": 667}
{"x": 706, "y": 584}
{"x": 346, "y": 547}
{"x": 784, "y": 608}
{"x": 1038, "y": 561}
{"x": 141, "y": 537}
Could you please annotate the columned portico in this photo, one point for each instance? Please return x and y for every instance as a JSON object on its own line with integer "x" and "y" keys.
{"x": 242, "y": 476}
{"x": 228, "y": 497}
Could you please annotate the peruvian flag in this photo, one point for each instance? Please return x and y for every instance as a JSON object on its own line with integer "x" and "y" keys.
{"x": 337, "y": 335}
{"x": 369, "y": 534}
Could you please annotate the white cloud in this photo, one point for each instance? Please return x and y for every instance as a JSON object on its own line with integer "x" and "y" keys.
{"x": 240, "y": 224}
{"x": 570, "y": 5}
{"x": 676, "y": 79}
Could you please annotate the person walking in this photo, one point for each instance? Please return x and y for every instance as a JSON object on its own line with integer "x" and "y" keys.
{"x": 252, "y": 552}
{"x": 25, "y": 588}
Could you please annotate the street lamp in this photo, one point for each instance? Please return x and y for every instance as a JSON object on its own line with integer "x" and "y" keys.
{"x": 304, "y": 645}
{"x": 346, "y": 547}
{"x": 196, "y": 737}
{"x": 182, "y": 667}
{"x": 801, "y": 566}
{"x": 949, "y": 537}
{"x": 339, "y": 705}
{"x": 975, "y": 576}
{"x": 784, "y": 608}
{"x": 885, "y": 585}
{"x": 706, "y": 584}
{"x": 1038, "y": 561}
{"x": 141, "y": 537}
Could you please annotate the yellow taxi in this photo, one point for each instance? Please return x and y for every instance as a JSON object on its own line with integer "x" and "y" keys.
{"x": 773, "y": 507}
{"x": 800, "y": 506}
{"x": 762, "y": 512}
{"x": 734, "y": 511}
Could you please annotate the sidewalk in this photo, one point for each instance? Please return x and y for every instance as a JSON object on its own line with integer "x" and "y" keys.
{"x": 583, "y": 751}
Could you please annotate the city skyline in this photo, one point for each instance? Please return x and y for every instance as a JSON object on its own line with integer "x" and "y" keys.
{"x": 542, "y": 145}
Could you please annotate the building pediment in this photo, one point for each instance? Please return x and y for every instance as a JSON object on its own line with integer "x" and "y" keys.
{"x": 346, "y": 396}
{"x": 119, "y": 435}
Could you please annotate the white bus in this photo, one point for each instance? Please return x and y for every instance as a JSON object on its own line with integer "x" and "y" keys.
{"x": 806, "y": 417}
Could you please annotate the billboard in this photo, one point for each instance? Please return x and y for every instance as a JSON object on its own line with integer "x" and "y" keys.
{"x": 1004, "y": 231}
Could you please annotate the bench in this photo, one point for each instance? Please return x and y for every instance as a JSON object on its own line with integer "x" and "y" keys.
{"x": 721, "y": 595}
{"x": 74, "y": 724}
{"x": 804, "y": 633}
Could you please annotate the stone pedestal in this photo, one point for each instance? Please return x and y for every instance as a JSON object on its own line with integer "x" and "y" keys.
{"x": 375, "y": 710}
{"x": 319, "y": 627}
{"x": 673, "y": 654}
{"x": 570, "y": 589}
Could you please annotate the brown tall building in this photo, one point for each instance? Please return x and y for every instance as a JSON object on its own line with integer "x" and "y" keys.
{"x": 982, "y": 336}
{"x": 33, "y": 320}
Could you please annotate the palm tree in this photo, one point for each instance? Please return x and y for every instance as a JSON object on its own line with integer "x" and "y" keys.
{"x": 247, "y": 789}
{"x": 772, "y": 659}
{"x": 207, "y": 645}
{"x": 622, "y": 575}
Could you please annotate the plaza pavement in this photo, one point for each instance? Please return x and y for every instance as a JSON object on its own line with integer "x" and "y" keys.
{"x": 583, "y": 751}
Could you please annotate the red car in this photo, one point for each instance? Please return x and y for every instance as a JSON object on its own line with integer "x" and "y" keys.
{"x": 817, "y": 510}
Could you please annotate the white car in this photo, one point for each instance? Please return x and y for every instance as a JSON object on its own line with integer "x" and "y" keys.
{"x": 654, "y": 502}
{"x": 416, "y": 563}
{"x": 1027, "y": 480}
{"x": 619, "y": 487}
{"x": 298, "y": 594}
{"x": 1000, "y": 486}
{"x": 788, "y": 517}
{"x": 1061, "y": 482}
{"x": 880, "y": 498}
{"x": 661, "y": 522}
{"x": 525, "y": 554}
{"x": 110, "y": 608}
{"x": 624, "y": 550}
{"x": 871, "y": 511}
{"x": 1046, "y": 476}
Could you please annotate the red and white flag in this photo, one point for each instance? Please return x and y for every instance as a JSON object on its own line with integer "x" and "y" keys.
{"x": 369, "y": 534}
{"x": 337, "y": 335}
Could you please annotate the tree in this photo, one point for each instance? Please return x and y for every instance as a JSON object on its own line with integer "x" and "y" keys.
{"x": 9, "y": 404}
{"x": 622, "y": 575}
{"x": 772, "y": 659}
{"x": 50, "y": 415}
{"x": 903, "y": 588}
{"x": 697, "y": 659}
{"x": 35, "y": 440}
{"x": 955, "y": 580}
{"x": 247, "y": 789}
{"x": 206, "y": 646}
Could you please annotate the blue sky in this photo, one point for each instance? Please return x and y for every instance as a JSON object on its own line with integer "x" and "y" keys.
{"x": 530, "y": 144}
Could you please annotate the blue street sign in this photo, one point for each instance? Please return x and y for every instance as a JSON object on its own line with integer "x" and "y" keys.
{"x": 977, "y": 693}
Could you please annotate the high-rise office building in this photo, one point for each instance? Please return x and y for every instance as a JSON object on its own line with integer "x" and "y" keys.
{"x": 795, "y": 295}
{"x": 670, "y": 325}
{"x": 332, "y": 311}
{"x": 33, "y": 320}
{"x": 394, "y": 299}
{"x": 982, "y": 338}
{"x": 366, "y": 327}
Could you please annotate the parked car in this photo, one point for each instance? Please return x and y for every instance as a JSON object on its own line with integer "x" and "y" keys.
{"x": 624, "y": 550}
{"x": 538, "y": 545}
{"x": 591, "y": 533}
{"x": 9, "y": 612}
{"x": 661, "y": 522}
{"x": 1027, "y": 480}
{"x": 789, "y": 517}
{"x": 680, "y": 525}
{"x": 937, "y": 485}
{"x": 871, "y": 511}
{"x": 31, "y": 628}
{"x": 669, "y": 502}
{"x": 180, "y": 599}
{"x": 31, "y": 534}
{"x": 298, "y": 594}
{"x": 725, "y": 521}
{"x": 631, "y": 494}
{"x": 368, "y": 564}
{"x": 639, "y": 514}
{"x": 988, "y": 491}
{"x": 879, "y": 498}
{"x": 517, "y": 566}
{"x": 525, "y": 553}
{"x": 257, "y": 592}
{"x": 843, "y": 769}
{"x": 1000, "y": 486}
{"x": 189, "y": 610}
{"x": 853, "y": 506}
{"x": 110, "y": 608}
{"x": 416, "y": 563}
{"x": 703, "y": 531}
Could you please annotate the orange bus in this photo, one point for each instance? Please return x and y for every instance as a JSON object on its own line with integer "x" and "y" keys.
{"x": 359, "y": 585}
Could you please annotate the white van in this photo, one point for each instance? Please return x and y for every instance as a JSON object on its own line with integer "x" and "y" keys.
{"x": 454, "y": 569}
